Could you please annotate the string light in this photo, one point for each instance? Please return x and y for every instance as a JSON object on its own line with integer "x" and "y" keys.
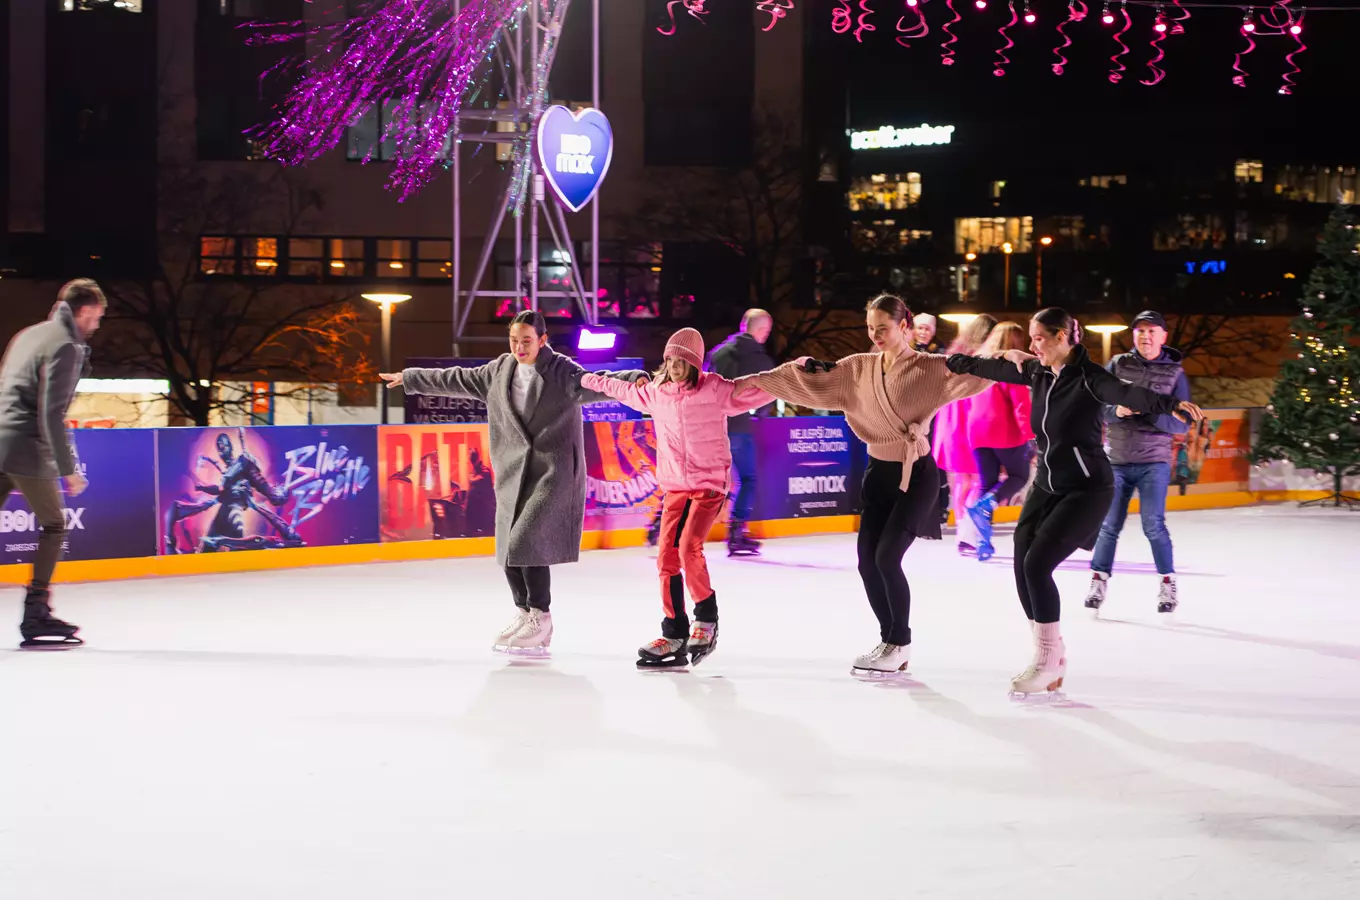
{"x": 980, "y": 4}
{"x": 1106, "y": 16}
{"x": 1030, "y": 17}
{"x": 1247, "y": 24}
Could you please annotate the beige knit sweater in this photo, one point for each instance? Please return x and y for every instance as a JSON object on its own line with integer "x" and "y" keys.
{"x": 890, "y": 411}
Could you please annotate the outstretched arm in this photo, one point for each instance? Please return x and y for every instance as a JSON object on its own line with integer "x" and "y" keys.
{"x": 1008, "y": 369}
{"x": 746, "y": 395}
{"x": 1108, "y": 389}
{"x": 455, "y": 381}
{"x": 822, "y": 389}
{"x": 631, "y": 394}
{"x": 582, "y": 395}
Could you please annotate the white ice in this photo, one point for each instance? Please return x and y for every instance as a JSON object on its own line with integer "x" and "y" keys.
{"x": 346, "y": 733}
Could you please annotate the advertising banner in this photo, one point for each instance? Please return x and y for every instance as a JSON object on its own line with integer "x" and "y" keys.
{"x": 426, "y": 410}
{"x": 233, "y": 488}
{"x": 436, "y": 482}
{"x": 1214, "y": 455}
{"x": 621, "y": 488}
{"x": 115, "y": 516}
{"x": 806, "y": 467}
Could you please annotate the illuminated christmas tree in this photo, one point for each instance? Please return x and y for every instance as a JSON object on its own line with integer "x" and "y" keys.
{"x": 1313, "y": 419}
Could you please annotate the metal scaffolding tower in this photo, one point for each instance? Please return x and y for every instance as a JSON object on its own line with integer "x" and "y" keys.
{"x": 525, "y": 80}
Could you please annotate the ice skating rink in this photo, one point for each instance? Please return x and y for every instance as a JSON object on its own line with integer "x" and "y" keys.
{"x": 345, "y": 734}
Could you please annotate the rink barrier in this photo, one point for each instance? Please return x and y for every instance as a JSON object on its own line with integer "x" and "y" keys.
{"x": 366, "y": 494}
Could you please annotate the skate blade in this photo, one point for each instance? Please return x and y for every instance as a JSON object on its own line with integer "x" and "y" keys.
{"x": 527, "y": 653}
{"x": 878, "y": 674}
{"x": 674, "y": 664}
{"x": 698, "y": 656}
{"x": 1053, "y": 692}
{"x": 40, "y": 645}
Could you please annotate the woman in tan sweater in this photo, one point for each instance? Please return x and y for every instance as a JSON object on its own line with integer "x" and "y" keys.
{"x": 889, "y": 397}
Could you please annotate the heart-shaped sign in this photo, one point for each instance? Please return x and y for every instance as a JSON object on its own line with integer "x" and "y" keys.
{"x": 574, "y": 150}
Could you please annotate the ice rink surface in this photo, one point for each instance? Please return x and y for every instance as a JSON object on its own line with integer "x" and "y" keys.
{"x": 345, "y": 734}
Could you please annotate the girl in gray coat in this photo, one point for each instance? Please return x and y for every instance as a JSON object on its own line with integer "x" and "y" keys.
{"x": 533, "y": 400}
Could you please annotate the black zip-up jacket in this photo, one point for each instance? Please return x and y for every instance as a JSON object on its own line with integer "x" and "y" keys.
{"x": 1066, "y": 413}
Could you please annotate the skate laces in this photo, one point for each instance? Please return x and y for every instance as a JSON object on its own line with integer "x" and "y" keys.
{"x": 703, "y": 631}
{"x": 659, "y": 644}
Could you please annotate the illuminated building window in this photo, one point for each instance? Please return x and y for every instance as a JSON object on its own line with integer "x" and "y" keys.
{"x": 1103, "y": 181}
{"x": 987, "y": 235}
{"x": 217, "y": 255}
{"x": 1190, "y": 231}
{"x": 1248, "y": 171}
{"x": 900, "y": 191}
{"x": 260, "y": 256}
{"x": 1317, "y": 184}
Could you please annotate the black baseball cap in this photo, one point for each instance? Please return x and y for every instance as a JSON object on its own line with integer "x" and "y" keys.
{"x": 1151, "y": 316}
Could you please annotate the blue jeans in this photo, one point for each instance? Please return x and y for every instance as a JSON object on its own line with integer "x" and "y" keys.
{"x": 744, "y": 458}
{"x": 1150, "y": 480}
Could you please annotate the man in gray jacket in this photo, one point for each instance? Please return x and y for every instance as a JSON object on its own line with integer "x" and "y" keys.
{"x": 38, "y": 378}
{"x": 1139, "y": 447}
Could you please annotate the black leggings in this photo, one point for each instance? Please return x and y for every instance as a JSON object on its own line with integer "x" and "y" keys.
{"x": 531, "y": 585}
{"x": 990, "y": 462}
{"x": 891, "y": 521}
{"x": 1051, "y": 528}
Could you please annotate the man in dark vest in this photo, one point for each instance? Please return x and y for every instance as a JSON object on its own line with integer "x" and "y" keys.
{"x": 1139, "y": 447}
{"x": 741, "y": 354}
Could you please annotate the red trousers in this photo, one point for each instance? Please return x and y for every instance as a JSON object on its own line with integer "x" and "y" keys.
{"x": 686, "y": 519}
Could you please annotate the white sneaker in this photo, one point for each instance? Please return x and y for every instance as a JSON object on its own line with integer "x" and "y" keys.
{"x": 1049, "y": 666}
{"x": 1095, "y": 595}
{"x": 509, "y": 631}
{"x": 1166, "y": 595}
{"x": 534, "y": 636}
{"x": 884, "y": 661}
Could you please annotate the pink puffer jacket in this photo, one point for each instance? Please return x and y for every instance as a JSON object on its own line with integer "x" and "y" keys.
{"x": 953, "y": 452}
{"x": 691, "y": 425}
{"x": 999, "y": 417}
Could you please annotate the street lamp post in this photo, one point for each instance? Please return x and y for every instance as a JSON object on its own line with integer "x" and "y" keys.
{"x": 1007, "y": 249}
{"x": 1039, "y": 270}
{"x": 1107, "y": 333}
{"x": 386, "y": 301}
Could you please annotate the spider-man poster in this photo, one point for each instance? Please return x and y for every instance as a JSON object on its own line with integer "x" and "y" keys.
{"x": 231, "y": 489}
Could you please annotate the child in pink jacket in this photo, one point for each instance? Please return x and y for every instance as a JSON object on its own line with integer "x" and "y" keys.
{"x": 689, "y": 408}
{"x": 999, "y": 432}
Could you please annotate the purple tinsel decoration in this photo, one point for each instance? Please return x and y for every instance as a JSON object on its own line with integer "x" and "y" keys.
{"x": 412, "y": 56}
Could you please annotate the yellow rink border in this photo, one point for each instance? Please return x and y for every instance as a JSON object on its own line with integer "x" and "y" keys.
{"x": 354, "y": 554}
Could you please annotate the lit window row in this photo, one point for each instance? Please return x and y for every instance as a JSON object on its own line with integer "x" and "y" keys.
{"x": 989, "y": 234}
{"x": 1306, "y": 184}
{"x": 901, "y": 191}
{"x": 321, "y": 257}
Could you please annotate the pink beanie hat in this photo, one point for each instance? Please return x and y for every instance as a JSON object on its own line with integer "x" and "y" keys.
{"x": 687, "y": 344}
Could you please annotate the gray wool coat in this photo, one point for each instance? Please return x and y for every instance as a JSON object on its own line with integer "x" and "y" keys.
{"x": 38, "y": 379}
{"x": 538, "y": 463}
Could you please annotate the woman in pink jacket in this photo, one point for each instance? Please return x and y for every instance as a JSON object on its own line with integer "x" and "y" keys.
{"x": 689, "y": 408}
{"x": 999, "y": 431}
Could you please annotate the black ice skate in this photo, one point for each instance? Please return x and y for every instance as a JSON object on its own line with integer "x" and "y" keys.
{"x": 739, "y": 542}
{"x": 663, "y": 653}
{"x": 43, "y": 631}
{"x": 703, "y": 640}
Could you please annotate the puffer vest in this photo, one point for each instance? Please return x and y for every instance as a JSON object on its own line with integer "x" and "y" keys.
{"x": 1137, "y": 439}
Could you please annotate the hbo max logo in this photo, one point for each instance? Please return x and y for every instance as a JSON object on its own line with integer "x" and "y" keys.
{"x": 12, "y": 520}
{"x": 817, "y": 484}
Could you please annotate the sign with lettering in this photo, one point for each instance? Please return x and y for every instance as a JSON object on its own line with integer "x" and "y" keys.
{"x": 888, "y": 137}
{"x": 574, "y": 150}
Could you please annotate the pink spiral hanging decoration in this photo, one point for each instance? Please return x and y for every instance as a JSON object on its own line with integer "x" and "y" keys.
{"x": 1287, "y": 87}
{"x": 1155, "y": 73}
{"x": 775, "y": 9}
{"x": 1076, "y": 11}
{"x": 694, "y": 7}
{"x": 908, "y": 33}
{"x": 947, "y": 57}
{"x": 1117, "y": 69}
{"x": 1176, "y": 26}
{"x": 864, "y": 21}
{"x": 1002, "y": 58}
{"x": 1240, "y": 79}
{"x": 842, "y": 19}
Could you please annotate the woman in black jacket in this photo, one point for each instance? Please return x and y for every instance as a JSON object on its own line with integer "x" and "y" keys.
{"x": 1074, "y": 484}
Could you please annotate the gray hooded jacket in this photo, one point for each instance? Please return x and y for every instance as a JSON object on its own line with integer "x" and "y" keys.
{"x": 38, "y": 378}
